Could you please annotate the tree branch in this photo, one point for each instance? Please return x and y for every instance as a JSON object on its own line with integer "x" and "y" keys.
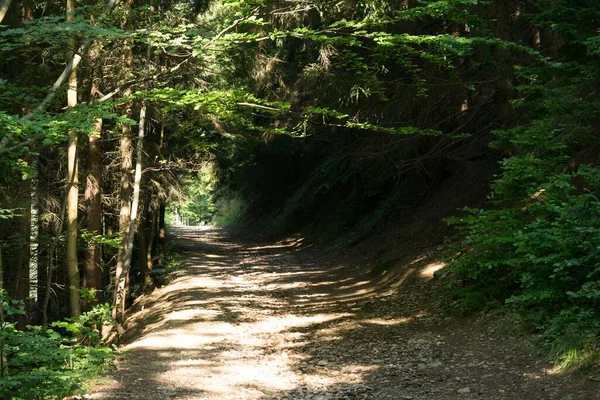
{"x": 77, "y": 57}
{"x": 253, "y": 105}
{"x": 160, "y": 75}
{"x": 70, "y": 67}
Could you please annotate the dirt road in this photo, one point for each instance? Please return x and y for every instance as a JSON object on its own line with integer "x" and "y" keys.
{"x": 245, "y": 319}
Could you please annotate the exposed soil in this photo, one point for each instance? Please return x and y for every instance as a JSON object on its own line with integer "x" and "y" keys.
{"x": 252, "y": 319}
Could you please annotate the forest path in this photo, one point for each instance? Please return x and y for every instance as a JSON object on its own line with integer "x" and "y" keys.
{"x": 254, "y": 320}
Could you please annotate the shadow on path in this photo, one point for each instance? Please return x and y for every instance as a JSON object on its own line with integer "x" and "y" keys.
{"x": 252, "y": 320}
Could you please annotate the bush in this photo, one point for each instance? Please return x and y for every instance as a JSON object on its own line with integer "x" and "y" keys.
{"x": 537, "y": 248}
{"x": 43, "y": 364}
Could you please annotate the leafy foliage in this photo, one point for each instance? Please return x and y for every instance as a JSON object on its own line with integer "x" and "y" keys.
{"x": 43, "y": 364}
{"x": 538, "y": 249}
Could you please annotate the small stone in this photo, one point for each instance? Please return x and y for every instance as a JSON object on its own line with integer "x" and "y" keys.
{"x": 464, "y": 390}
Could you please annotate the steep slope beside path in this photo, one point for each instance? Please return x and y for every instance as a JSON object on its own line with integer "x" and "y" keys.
{"x": 276, "y": 321}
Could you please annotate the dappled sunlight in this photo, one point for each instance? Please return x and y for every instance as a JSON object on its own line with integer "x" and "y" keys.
{"x": 255, "y": 324}
{"x": 354, "y": 285}
{"x": 401, "y": 279}
{"x": 271, "y": 247}
{"x": 240, "y": 326}
{"x": 237, "y": 353}
{"x": 175, "y": 340}
{"x": 385, "y": 321}
{"x": 213, "y": 256}
{"x": 185, "y": 315}
{"x": 430, "y": 269}
{"x": 277, "y": 324}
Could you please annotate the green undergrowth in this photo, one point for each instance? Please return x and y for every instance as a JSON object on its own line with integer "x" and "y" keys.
{"x": 339, "y": 207}
{"x": 54, "y": 362}
{"x": 231, "y": 211}
{"x": 173, "y": 262}
{"x": 534, "y": 251}
{"x": 538, "y": 258}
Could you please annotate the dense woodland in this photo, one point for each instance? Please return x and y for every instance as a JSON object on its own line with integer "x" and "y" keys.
{"x": 330, "y": 115}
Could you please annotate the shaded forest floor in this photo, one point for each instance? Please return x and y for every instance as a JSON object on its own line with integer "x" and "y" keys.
{"x": 257, "y": 319}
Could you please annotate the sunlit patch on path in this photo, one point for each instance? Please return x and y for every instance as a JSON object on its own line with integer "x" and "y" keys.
{"x": 265, "y": 321}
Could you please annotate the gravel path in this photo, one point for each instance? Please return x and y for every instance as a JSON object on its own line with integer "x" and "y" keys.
{"x": 283, "y": 321}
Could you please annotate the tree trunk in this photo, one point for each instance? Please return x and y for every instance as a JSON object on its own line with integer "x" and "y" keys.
{"x": 125, "y": 193}
{"x": 34, "y": 235}
{"x": 4, "y": 5}
{"x": 92, "y": 278}
{"x": 161, "y": 235}
{"x": 51, "y": 250}
{"x": 119, "y": 300}
{"x": 3, "y": 360}
{"x": 22, "y": 284}
{"x": 151, "y": 247}
{"x": 125, "y": 190}
{"x": 143, "y": 247}
{"x": 73, "y": 196}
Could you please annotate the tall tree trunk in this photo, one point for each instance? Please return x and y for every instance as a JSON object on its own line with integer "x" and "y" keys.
{"x": 150, "y": 251}
{"x": 161, "y": 235}
{"x": 34, "y": 235}
{"x": 125, "y": 194}
{"x": 3, "y": 360}
{"x": 143, "y": 246}
{"x": 73, "y": 196}
{"x": 92, "y": 278}
{"x": 125, "y": 191}
{"x": 34, "y": 244}
{"x": 119, "y": 301}
{"x": 51, "y": 251}
{"x": 146, "y": 235}
{"x": 4, "y": 5}
{"x": 22, "y": 283}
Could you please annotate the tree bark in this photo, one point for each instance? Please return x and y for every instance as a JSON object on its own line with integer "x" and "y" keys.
{"x": 161, "y": 235}
{"x": 34, "y": 235}
{"x": 3, "y": 360}
{"x": 119, "y": 301}
{"x": 4, "y": 5}
{"x": 73, "y": 196}
{"x": 125, "y": 194}
{"x": 22, "y": 284}
{"x": 51, "y": 249}
{"x": 92, "y": 278}
{"x": 147, "y": 227}
{"x": 150, "y": 251}
{"x": 143, "y": 247}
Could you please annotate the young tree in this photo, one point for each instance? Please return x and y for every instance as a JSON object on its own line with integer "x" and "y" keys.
{"x": 121, "y": 279}
{"x": 73, "y": 193}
